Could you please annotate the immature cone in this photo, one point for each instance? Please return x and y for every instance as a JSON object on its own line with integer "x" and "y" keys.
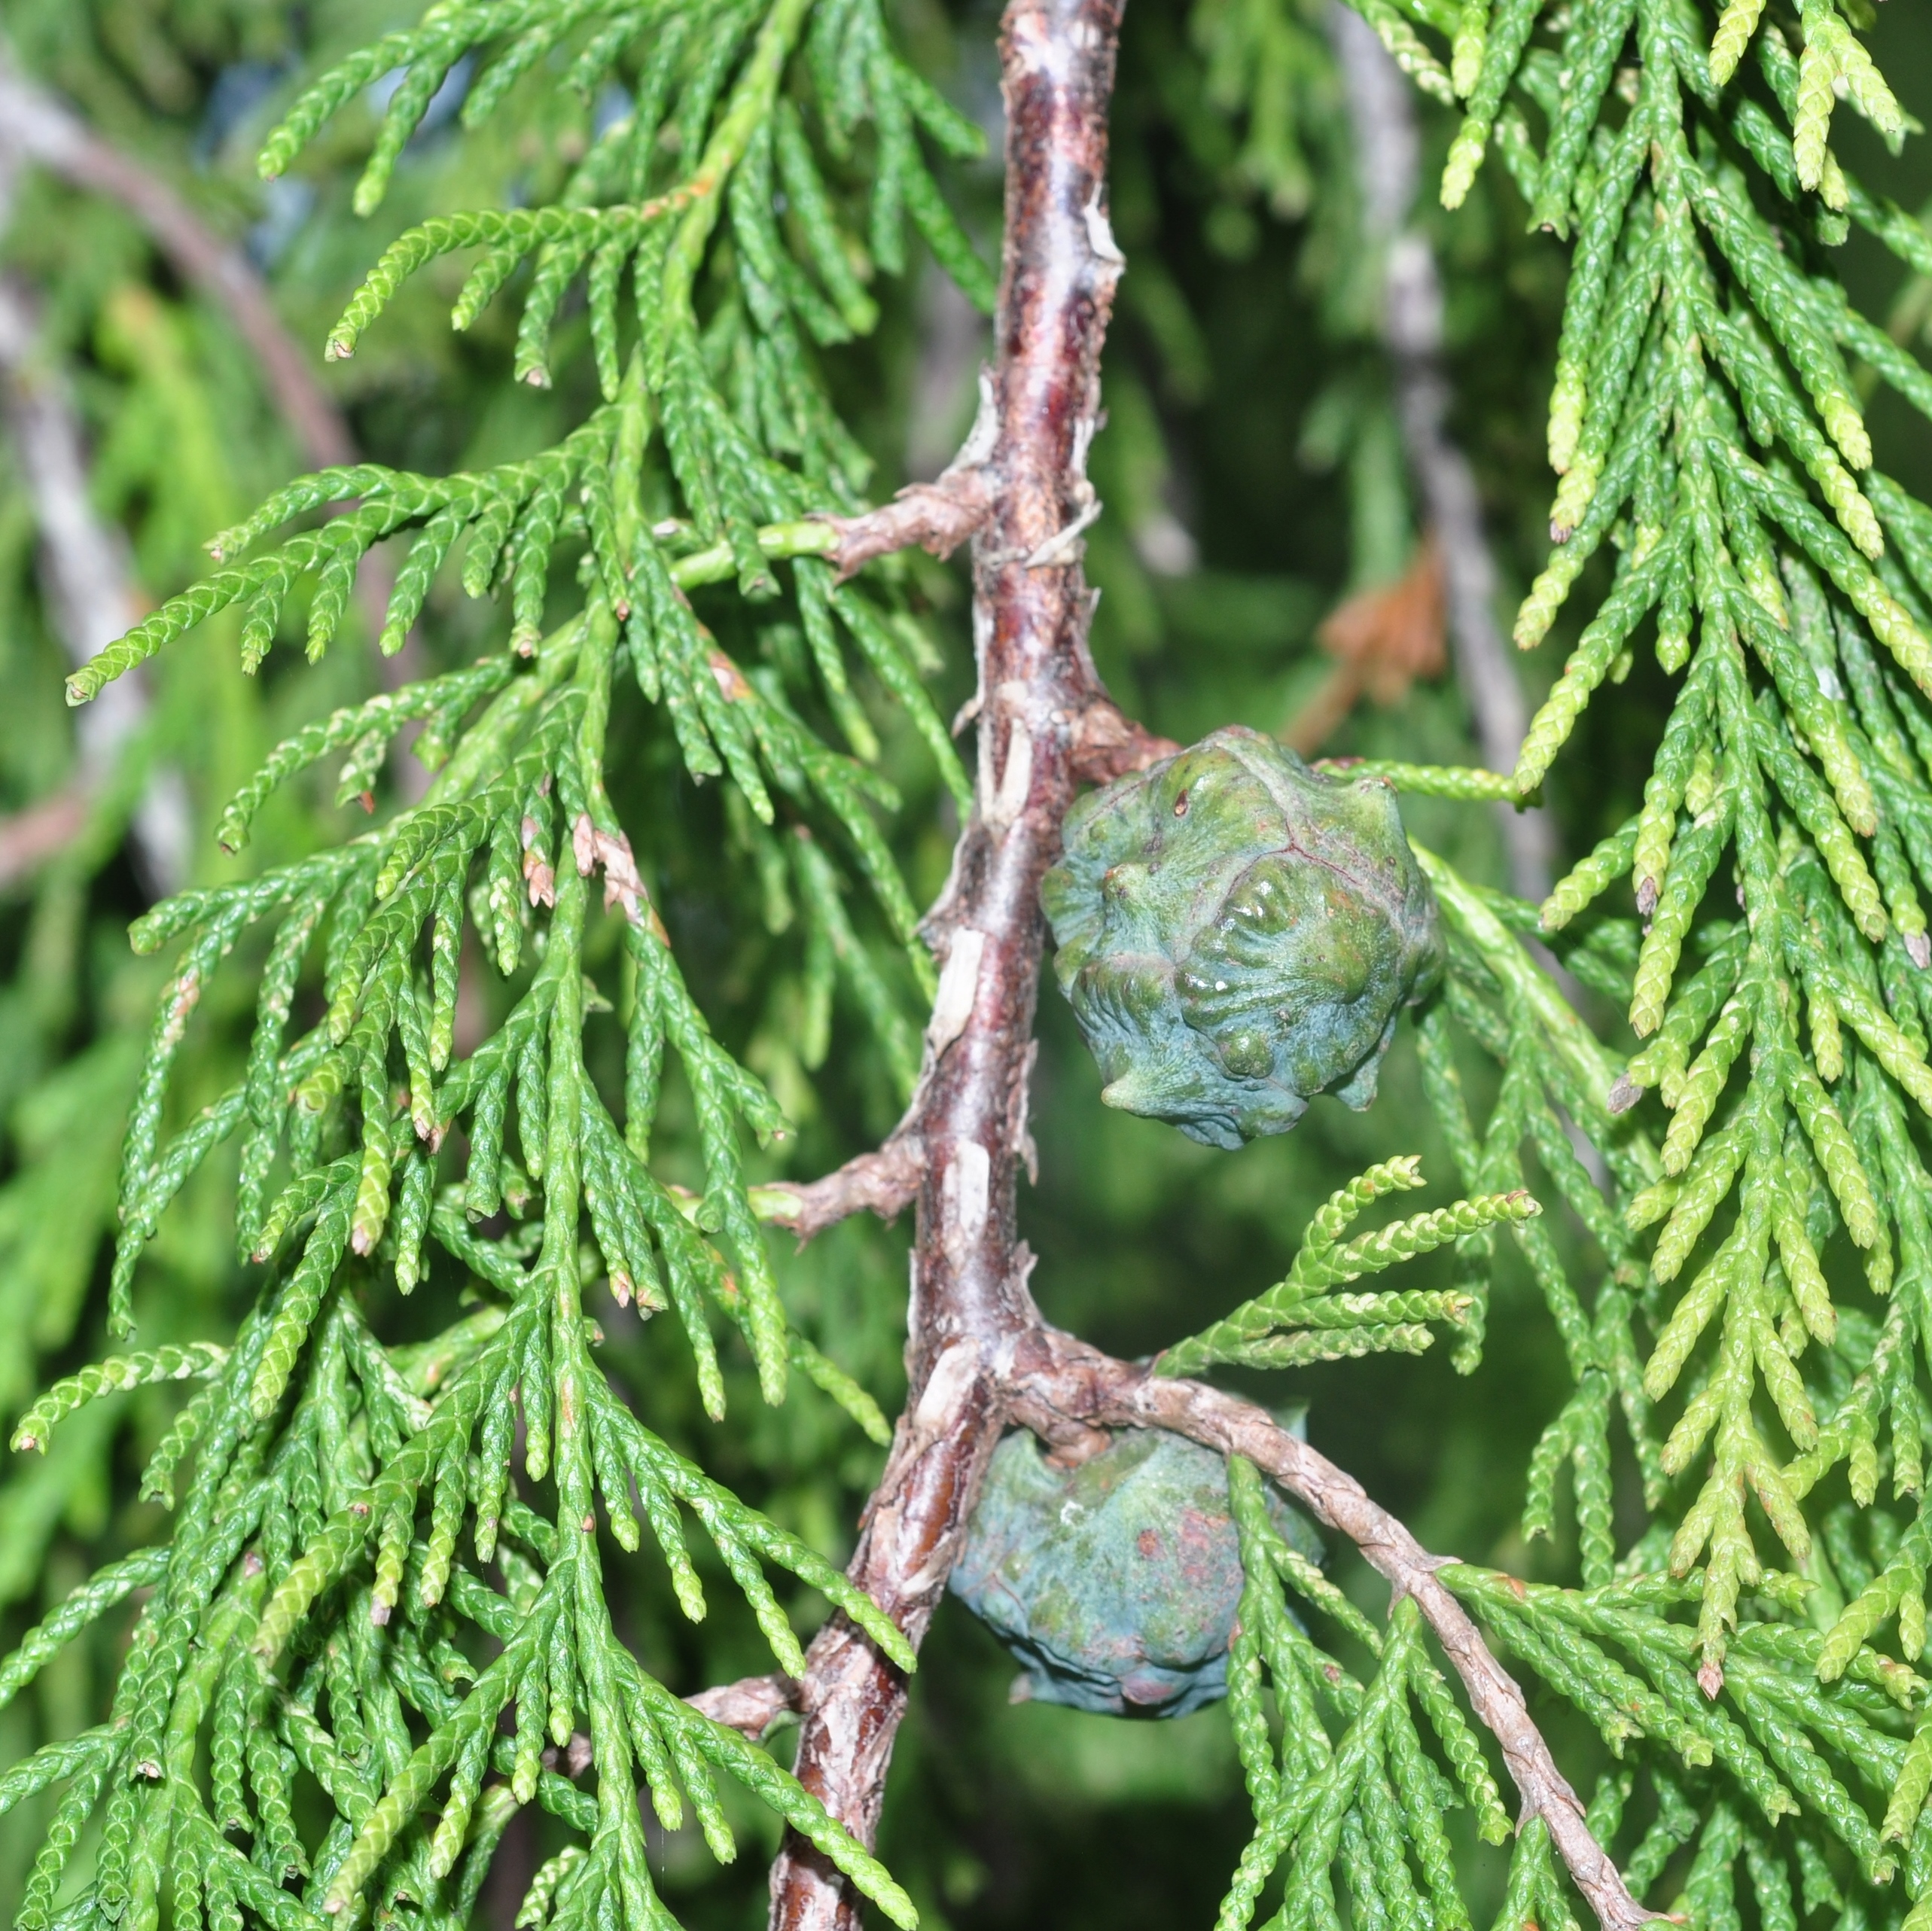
{"x": 1114, "y": 1585}
{"x": 1238, "y": 934}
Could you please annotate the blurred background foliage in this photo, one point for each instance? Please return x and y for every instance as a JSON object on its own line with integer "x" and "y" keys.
{"x": 1255, "y": 478}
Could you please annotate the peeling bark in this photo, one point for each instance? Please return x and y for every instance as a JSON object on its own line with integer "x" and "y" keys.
{"x": 1031, "y": 610}
{"x": 978, "y": 1355}
{"x": 884, "y": 1183}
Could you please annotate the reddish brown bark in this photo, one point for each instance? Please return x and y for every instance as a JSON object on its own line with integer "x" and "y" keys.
{"x": 752, "y": 1706}
{"x": 938, "y": 516}
{"x": 1107, "y": 746}
{"x": 1030, "y": 609}
{"x": 978, "y": 1355}
{"x": 1066, "y": 1390}
{"x": 882, "y": 1182}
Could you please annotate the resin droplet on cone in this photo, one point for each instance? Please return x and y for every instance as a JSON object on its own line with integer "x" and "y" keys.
{"x": 1237, "y": 933}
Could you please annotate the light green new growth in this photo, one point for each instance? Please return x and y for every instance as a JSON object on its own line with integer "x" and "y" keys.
{"x": 1708, "y": 423}
{"x": 1301, "y": 1320}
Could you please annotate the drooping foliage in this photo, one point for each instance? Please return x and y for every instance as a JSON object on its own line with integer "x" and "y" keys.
{"x": 357, "y": 1641}
{"x": 385, "y": 1580}
{"x": 1708, "y": 424}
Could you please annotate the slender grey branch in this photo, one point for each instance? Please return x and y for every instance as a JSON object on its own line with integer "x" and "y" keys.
{"x": 91, "y": 600}
{"x": 1382, "y": 111}
{"x": 88, "y": 587}
{"x": 42, "y": 129}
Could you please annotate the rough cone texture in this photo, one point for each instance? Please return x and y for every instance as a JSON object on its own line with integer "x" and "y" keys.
{"x": 1237, "y": 933}
{"x": 1115, "y": 1585}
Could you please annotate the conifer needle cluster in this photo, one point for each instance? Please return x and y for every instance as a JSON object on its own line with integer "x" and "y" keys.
{"x": 385, "y": 1573}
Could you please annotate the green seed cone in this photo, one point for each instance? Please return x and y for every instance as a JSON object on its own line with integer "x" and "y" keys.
{"x": 1238, "y": 934}
{"x": 1114, "y": 1585}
